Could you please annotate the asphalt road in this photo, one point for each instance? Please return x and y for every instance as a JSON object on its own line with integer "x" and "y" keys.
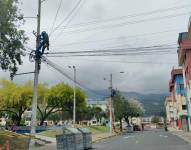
{"x": 147, "y": 140}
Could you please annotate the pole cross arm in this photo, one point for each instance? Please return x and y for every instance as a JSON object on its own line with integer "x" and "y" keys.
{"x": 23, "y": 73}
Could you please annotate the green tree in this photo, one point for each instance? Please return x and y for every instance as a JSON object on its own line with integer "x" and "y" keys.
{"x": 86, "y": 113}
{"x": 15, "y": 99}
{"x": 134, "y": 109}
{"x": 55, "y": 116}
{"x": 120, "y": 107}
{"x": 59, "y": 98}
{"x": 12, "y": 39}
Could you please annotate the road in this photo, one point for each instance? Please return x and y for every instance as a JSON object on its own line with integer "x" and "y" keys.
{"x": 147, "y": 140}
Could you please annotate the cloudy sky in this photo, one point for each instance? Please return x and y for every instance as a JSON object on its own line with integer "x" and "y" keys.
{"x": 105, "y": 25}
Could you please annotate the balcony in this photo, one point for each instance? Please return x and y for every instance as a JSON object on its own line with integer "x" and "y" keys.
{"x": 185, "y": 45}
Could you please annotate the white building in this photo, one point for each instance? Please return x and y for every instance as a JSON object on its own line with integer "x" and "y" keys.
{"x": 98, "y": 103}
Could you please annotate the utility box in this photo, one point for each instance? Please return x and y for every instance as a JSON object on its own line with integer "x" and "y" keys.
{"x": 87, "y": 138}
{"x": 70, "y": 139}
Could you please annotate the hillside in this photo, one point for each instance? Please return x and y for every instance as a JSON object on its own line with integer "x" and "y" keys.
{"x": 153, "y": 103}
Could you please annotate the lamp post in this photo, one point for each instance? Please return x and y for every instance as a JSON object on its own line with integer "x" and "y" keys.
{"x": 111, "y": 109}
{"x": 74, "y": 88}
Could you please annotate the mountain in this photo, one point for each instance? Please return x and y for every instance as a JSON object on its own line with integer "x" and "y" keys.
{"x": 152, "y": 103}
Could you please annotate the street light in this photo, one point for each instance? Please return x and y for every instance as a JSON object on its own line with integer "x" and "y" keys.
{"x": 74, "y": 88}
{"x": 111, "y": 109}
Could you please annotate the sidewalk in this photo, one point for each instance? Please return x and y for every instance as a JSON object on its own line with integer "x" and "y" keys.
{"x": 182, "y": 134}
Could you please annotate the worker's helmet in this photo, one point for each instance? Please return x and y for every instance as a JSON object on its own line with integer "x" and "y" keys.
{"x": 43, "y": 33}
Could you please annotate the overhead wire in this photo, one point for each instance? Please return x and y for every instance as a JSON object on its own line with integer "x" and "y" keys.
{"x": 60, "y": 69}
{"x": 119, "y": 61}
{"x": 103, "y": 27}
{"x": 72, "y": 17}
{"x": 55, "y": 18}
{"x": 130, "y": 16}
{"x": 67, "y": 17}
{"x": 116, "y": 38}
{"x": 116, "y": 50}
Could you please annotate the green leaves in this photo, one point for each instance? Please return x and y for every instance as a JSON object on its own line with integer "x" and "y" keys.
{"x": 125, "y": 107}
{"x": 59, "y": 98}
{"x": 15, "y": 99}
{"x": 12, "y": 39}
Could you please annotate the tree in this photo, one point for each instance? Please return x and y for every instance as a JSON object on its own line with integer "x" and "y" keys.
{"x": 15, "y": 99}
{"x": 55, "y": 117}
{"x": 12, "y": 39}
{"x": 134, "y": 109}
{"x": 59, "y": 98}
{"x": 86, "y": 113}
{"x": 120, "y": 107}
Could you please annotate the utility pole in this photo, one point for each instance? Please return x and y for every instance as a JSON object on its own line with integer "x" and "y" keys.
{"x": 110, "y": 104}
{"x": 74, "y": 110}
{"x": 74, "y": 87}
{"x": 36, "y": 75}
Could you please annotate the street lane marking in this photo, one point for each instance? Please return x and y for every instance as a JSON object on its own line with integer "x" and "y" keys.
{"x": 164, "y": 136}
{"x": 127, "y": 137}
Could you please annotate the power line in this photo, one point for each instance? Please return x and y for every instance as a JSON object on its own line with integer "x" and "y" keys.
{"x": 68, "y": 22}
{"x": 130, "y": 16}
{"x": 116, "y": 50}
{"x": 125, "y": 62}
{"x": 116, "y": 38}
{"x": 122, "y": 54}
{"x": 68, "y": 16}
{"x": 55, "y": 18}
{"x": 125, "y": 23}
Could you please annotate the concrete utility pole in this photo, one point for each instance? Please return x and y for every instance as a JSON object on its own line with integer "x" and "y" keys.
{"x": 74, "y": 110}
{"x": 74, "y": 104}
{"x": 110, "y": 105}
{"x": 36, "y": 75}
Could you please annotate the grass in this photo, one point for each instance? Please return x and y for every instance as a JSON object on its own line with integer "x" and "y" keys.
{"x": 98, "y": 129}
{"x": 93, "y": 129}
{"x": 13, "y": 140}
{"x": 51, "y": 133}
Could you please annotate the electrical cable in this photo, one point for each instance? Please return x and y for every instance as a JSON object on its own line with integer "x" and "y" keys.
{"x": 124, "y": 23}
{"x": 130, "y": 16}
{"x": 55, "y": 18}
{"x": 115, "y": 50}
{"x": 67, "y": 17}
{"x": 115, "y": 38}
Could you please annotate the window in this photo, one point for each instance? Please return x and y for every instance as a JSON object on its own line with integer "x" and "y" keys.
{"x": 184, "y": 107}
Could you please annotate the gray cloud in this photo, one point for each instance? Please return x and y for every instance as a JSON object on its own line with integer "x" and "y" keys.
{"x": 139, "y": 77}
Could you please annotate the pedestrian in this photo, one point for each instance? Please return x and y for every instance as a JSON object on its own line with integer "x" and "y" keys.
{"x": 142, "y": 126}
